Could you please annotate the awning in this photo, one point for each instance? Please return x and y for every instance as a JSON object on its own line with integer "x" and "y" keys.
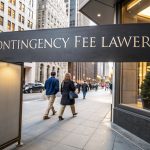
{"x": 99, "y": 11}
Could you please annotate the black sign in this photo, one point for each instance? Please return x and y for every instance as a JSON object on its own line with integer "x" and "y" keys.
{"x": 117, "y": 43}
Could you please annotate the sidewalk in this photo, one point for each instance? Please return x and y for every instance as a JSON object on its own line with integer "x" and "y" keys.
{"x": 90, "y": 130}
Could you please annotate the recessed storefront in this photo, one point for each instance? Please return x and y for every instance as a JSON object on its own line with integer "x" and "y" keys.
{"x": 130, "y": 111}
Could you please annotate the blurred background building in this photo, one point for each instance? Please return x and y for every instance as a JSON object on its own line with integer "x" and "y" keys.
{"x": 18, "y": 15}
{"x": 81, "y": 70}
{"x": 52, "y": 14}
{"x": 48, "y": 14}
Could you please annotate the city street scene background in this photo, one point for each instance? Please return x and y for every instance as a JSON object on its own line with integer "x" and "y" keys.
{"x": 92, "y": 127}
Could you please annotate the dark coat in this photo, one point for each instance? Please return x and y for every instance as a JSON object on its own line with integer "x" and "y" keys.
{"x": 66, "y": 87}
{"x": 85, "y": 87}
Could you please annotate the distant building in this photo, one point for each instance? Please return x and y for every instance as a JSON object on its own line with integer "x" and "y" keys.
{"x": 104, "y": 71}
{"x": 19, "y": 16}
{"x": 80, "y": 70}
{"x": 52, "y": 14}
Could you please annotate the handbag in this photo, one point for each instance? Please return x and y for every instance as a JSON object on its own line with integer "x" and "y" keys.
{"x": 72, "y": 95}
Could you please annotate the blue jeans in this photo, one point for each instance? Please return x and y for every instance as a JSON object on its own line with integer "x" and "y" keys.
{"x": 84, "y": 94}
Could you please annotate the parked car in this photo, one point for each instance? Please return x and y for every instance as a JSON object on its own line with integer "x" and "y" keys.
{"x": 33, "y": 87}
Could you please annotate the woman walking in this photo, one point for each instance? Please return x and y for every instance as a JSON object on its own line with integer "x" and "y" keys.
{"x": 67, "y": 86}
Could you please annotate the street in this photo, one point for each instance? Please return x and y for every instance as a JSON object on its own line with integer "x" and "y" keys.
{"x": 90, "y": 130}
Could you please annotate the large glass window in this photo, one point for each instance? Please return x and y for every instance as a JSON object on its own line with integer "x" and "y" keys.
{"x": 9, "y": 25}
{"x": 19, "y": 18}
{"x": 9, "y": 11}
{"x": 2, "y": 6}
{"x": 23, "y": 8}
{"x": 134, "y": 74}
{"x": 48, "y": 71}
{"x": 20, "y": 5}
{"x": 13, "y": 27}
{"x": 1, "y": 20}
{"x": 13, "y": 13}
{"x": 42, "y": 73}
{"x": 23, "y": 19}
{"x": 19, "y": 28}
{"x": 12, "y": 1}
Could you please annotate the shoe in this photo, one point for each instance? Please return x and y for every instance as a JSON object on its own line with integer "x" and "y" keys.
{"x": 46, "y": 117}
{"x": 54, "y": 112}
{"x": 74, "y": 115}
{"x": 60, "y": 118}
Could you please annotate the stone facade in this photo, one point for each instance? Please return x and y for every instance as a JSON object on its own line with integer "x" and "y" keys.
{"x": 19, "y": 15}
{"x": 52, "y": 14}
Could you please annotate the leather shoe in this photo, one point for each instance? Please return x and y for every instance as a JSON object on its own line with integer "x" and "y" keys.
{"x": 60, "y": 118}
{"x": 46, "y": 117}
{"x": 54, "y": 112}
{"x": 74, "y": 115}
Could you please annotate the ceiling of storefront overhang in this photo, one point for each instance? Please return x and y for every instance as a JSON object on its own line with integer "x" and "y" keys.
{"x": 105, "y": 8}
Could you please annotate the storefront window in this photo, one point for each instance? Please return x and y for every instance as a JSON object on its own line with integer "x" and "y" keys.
{"x": 133, "y": 74}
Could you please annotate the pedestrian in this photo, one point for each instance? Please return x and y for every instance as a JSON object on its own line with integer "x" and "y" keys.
{"x": 90, "y": 86}
{"x": 67, "y": 85}
{"x": 106, "y": 86}
{"x": 110, "y": 87}
{"x": 84, "y": 89}
{"x": 51, "y": 87}
{"x": 102, "y": 85}
{"x": 96, "y": 86}
{"x": 77, "y": 86}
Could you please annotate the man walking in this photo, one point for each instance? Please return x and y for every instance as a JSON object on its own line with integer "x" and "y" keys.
{"x": 52, "y": 87}
{"x": 84, "y": 89}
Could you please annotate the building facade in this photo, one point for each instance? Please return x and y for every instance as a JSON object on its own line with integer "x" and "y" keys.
{"x": 52, "y": 14}
{"x": 19, "y": 15}
{"x": 80, "y": 70}
{"x": 44, "y": 69}
{"x": 129, "y": 111}
{"x": 105, "y": 71}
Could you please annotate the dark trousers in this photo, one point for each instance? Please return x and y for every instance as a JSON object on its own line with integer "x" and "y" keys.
{"x": 84, "y": 94}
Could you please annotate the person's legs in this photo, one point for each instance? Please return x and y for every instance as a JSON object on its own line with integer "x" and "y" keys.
{"x": 78, "y": 90}
{"x": 53, "y": 110}
{"x": 62, "y": 108}
{"x": 84, "y": 94}
{"x": 61, "y": 112}
{"x": 51, "y": 99}
{"x": 73, "y": 110}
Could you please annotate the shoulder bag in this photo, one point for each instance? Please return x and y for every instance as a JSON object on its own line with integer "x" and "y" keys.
{"x": 72, "y": 95}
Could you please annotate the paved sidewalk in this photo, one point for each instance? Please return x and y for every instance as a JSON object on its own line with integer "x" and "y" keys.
{"x": 90, "y": 130}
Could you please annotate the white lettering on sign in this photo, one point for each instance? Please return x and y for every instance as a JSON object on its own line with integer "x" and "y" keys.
{"x": 130, "y": 41}
{"x": 145, "y": 41}
{"x": 85, "y": 41}
{"x": 78, "y": 41}
{"x": 34, "y": 44}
